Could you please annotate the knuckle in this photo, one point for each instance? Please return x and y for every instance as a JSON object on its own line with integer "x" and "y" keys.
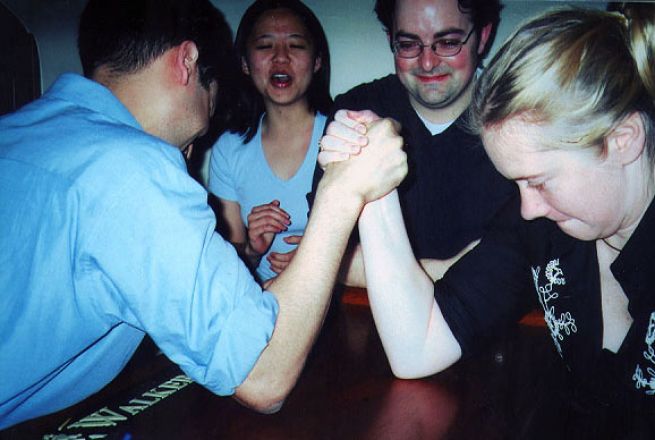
{"x": 386, "y": 125}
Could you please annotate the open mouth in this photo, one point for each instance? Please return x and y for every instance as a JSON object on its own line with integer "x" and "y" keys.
{"x": 281, "y": 79}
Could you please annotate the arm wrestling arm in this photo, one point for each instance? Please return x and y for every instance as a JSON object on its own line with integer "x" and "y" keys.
{"x": 304, "y": 289}
{"x": 415, "y": 336}
{"x": 352, "y": 272}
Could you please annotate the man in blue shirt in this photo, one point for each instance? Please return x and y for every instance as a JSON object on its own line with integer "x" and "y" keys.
{"x": 105, "y": 237}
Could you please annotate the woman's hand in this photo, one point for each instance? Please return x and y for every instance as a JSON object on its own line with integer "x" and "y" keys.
{"x": 264, "y": 221}
{"x": 280, "y": 261}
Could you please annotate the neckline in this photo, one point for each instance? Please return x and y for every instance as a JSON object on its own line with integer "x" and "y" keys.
{"x": 614, "y": 248}
{"x": 304, "y": 162}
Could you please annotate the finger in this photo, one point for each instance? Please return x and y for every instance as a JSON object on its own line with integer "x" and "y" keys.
{"x": 259, "y": 230}
{"x": 278, "y": 259}
{"x": 269, "y": 216}
{"x": 269, "y": 207}
{"x": 338, "y": 143}
{"x": 363, "y": 116}
{"x": 384, "y": 130}
{"x": 266, "y": 284}
{"x": 353, "y": 135}
{"x": 280, "y": 262}
{"x": 326, "y": 157}
{"x": 257, "y": 221}
{"x": 292, "y": 239}
{"x": 342, "y": 117}
{"x": 390, "y": 124}
{"x": 358, "y": 120}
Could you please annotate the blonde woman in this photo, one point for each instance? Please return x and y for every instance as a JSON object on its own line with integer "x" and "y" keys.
{"x": 565, "y": 110}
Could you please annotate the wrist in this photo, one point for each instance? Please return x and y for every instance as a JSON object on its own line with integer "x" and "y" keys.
{"x": 331, "y": 193}
{"x": 251, "y": 255}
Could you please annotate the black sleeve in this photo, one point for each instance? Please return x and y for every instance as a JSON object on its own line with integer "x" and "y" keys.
{"x": 490, "y": 287}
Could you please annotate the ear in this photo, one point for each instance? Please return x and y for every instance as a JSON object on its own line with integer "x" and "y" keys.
{"x": 244, "y": 67}
{"x": 187, "y": 151}
{"x": 627, "y": 139}
{"x": 485, "y": 32}
{"x": 317, "y": 64}
{"x": 186, "y": 61}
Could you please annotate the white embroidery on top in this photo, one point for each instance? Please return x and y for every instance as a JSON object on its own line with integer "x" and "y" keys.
{"x": 649, "y": 355}
{"x": 565, "y": 324}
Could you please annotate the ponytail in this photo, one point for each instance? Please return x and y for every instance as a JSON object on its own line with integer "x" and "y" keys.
{"x": 579, "y": 72}
{"x": 640, "y": 21}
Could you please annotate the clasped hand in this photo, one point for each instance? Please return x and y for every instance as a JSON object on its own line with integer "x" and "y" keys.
{"x": 366, "y": 153}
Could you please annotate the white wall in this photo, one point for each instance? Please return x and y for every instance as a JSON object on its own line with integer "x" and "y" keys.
{"x": 358, "y": 46}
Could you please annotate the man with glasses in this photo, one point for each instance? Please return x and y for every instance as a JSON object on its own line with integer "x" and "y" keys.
{"x": 452, "y": 189}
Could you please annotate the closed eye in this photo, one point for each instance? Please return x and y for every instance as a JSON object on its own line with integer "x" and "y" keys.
{"x": 539, "y": 186}
{"x": 448, "y": 43}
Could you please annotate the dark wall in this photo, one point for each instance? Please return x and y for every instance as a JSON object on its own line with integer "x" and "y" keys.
{"x": 20, "y": 78}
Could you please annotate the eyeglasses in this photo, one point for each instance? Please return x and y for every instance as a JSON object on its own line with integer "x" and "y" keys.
{"x": 443, "y": 47}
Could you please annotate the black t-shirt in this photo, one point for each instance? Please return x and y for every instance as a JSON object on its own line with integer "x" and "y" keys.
{"x": 452, "y": 190}
{"x": 496, "y": 283}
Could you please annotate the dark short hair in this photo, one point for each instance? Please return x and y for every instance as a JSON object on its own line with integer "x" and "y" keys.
{"x": 127, "y": 35}
{"x": 482, "y": 12}
{"x": 251, "y": 104}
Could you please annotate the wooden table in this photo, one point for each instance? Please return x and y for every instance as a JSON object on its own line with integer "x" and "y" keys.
{"x": 346, "y": 391}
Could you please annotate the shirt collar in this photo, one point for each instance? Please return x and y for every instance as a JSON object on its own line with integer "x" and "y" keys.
{"x": 92, "y": 95}
{"x": 634, "y": 268}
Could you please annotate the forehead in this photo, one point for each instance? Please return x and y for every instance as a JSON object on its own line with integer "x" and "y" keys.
{"x": 429, "y": 16}
{"x": 516, "y": 147}
{"x": 279, "y": 21}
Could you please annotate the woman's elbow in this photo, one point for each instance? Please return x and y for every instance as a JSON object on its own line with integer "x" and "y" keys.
{"x": 406, "y": 372}
{"x": 414, "y": 369}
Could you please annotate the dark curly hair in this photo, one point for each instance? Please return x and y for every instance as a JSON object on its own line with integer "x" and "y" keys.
{"x": 482, "y": 12}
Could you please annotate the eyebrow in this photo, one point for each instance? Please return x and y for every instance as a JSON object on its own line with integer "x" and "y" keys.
{"x": 436, "y": 35}
{"x": 528, "y": 178}
{"x": 264, "y": 36}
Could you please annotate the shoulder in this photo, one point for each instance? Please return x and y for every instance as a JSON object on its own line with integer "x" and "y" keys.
{"x": 371, "y": 94}
{"x": 319, "y": 121}
{"x": 230, "y": 143}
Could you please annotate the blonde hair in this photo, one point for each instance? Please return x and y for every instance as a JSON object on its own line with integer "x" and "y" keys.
{"x": 578, "y": 72}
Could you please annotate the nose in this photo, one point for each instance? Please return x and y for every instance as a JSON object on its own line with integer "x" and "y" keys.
{"x": 428, "y": 59}
{"x": 533, "y": 204}
{"x": 281, "y": 54}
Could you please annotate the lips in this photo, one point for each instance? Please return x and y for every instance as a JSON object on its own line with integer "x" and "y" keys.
{"x": 281, "y": 80}
{"x": 433, "y": 78}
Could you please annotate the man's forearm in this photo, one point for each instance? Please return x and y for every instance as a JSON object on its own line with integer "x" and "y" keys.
{"x": 303, "y": 291}
{"x": 352, "y": 271}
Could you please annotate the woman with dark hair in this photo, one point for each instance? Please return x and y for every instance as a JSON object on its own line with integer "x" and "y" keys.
{"x": 261, "y": 169}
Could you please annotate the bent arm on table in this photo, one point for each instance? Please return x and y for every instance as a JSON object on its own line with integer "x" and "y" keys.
{"x": 352, "y": 272}
{"x": 415, "y": 336}
{"x": 303, "y": 290}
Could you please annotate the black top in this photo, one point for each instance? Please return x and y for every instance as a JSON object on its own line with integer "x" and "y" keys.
{"x": 452, "y": 190}
{"x": 496, "y": 282}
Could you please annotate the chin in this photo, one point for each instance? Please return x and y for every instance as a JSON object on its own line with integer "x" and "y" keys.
{"x": 576, "y": 229}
